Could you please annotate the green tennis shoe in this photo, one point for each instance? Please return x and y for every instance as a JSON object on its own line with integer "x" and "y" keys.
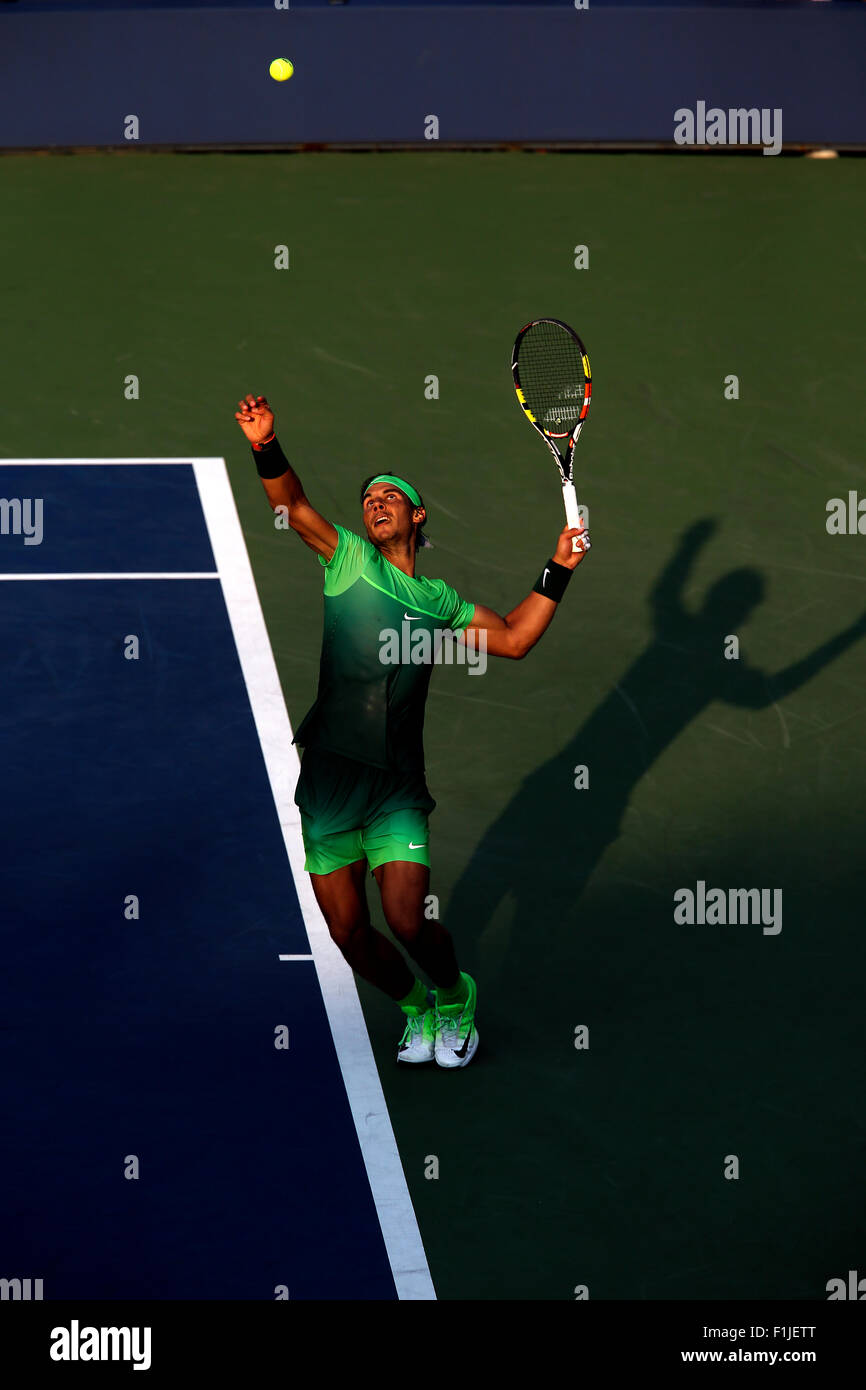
{"x": 418, "y": 1041}
{"x": 456, "y": 1039}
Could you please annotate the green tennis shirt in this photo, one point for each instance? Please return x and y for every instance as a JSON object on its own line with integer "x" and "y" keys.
{"x": 371, "y": 696}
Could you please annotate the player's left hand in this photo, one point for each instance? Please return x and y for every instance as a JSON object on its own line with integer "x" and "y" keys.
{"x": 565, "y": 554}
{"x": 255, "y": 417}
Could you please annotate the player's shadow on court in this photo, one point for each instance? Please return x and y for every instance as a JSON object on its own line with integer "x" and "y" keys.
{"x": 545, "y": 845}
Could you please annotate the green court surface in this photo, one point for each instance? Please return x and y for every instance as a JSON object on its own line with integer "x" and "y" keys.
{"x": 558, "y": 1166}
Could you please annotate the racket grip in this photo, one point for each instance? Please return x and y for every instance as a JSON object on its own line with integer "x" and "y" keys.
{"x": 572, "y": 511}
{"x": 569, "y": 497}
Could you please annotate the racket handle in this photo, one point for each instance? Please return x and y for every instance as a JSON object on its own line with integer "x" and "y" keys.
{"x": 572, "y": 512}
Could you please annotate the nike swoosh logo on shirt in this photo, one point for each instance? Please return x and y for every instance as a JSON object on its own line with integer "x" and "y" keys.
{"x": 421, "y": 846}
{"x": 410, "y": 619}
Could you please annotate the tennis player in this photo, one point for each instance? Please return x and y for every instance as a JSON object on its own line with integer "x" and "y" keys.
{"x": 362, "y": 791}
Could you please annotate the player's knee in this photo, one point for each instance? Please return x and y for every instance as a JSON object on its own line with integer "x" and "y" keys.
{"x": 405, "y": 926}
{"x": 347, "y": 930}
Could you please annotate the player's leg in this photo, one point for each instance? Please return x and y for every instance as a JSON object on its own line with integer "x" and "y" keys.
{"x": 404, "y": 887}
{"x": 342, "y": 897}
{"x": 396, "y": 845}
{"x": 331, "y": 796}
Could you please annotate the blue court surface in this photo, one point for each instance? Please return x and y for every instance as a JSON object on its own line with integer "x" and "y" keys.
{"x": 158, "y": 927}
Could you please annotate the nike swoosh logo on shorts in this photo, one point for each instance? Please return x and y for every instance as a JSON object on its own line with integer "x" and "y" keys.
{"x": 421, "y": 846}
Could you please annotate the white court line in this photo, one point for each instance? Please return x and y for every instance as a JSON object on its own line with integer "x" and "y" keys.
{"x": 112, "y": 574}
{"x": 96, "y": 463}
{"x": 296, "y": 957}
{"x": 363, "y": 1087}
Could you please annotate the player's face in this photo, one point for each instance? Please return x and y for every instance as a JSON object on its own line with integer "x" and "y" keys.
{"x": 388, "y": 514}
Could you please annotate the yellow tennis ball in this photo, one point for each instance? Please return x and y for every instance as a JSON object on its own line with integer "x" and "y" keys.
{"x": 281, "y": 69}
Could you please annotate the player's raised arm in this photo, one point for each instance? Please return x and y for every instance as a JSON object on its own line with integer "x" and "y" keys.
{"x": 282, "y": 485}
{"x": 515, "y": 634}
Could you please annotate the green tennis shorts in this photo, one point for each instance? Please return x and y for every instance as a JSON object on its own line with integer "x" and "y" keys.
{"x": 351, "y": 811}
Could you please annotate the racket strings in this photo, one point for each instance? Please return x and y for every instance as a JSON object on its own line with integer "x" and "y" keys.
{"x": 552, "y": 378}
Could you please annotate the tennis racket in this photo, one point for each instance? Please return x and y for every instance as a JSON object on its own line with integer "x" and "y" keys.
{"x": 554, "y": 385}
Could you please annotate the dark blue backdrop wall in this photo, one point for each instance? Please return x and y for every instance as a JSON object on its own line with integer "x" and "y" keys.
{"x": 374, "y": 73}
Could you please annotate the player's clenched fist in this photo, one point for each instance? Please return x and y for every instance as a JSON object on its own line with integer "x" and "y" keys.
{"x": 565, "y": 552}
{"x": 255, "y": 418}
